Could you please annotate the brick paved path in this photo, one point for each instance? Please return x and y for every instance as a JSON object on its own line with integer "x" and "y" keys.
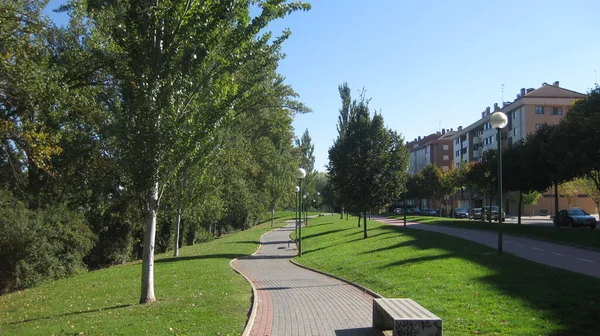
{"x": 296, "y": 301}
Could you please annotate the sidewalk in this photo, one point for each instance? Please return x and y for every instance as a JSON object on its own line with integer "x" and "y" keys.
{"x": 552, "y": 254}
{"x": 295, "y": 301}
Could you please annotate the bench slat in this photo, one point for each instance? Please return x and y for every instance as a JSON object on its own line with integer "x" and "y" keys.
{"x": 405, "y": 317}
{"x": 405, "y": 309}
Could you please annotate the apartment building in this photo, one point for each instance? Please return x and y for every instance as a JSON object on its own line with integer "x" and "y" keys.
{"x": 531, "y": 109}
{"x": 435, "y": 148}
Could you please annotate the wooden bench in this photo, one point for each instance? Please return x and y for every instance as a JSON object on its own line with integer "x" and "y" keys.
{"x": 405, "y": 317}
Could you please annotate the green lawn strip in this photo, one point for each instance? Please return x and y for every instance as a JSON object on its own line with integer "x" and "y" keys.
{"x": 198, "y": 293}
{"x": 468, "y": 285}
{"x": 583, "y": 237}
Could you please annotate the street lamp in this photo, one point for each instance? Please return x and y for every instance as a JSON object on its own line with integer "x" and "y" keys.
{"x": 498, "y": 121}
{"x": 297, "y": 190}
{"x": 300, "y": 174}
{"x": 305, "y": 210}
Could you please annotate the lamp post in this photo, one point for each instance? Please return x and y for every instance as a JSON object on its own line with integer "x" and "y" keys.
{"x": 297, "y": 191}
{"x": 305, "y": 210}
{"x": 498, "y": 121}
{"x": 300, "y": 174}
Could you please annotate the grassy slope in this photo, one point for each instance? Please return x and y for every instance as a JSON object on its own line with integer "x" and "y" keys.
{"x": 198, "y": 293}
{"x": 468, "y": 285}
{"x": 584, "y": 237}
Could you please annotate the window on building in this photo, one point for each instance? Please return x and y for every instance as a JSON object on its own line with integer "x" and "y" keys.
{"x": 457, "y": 141}
{"x": 463, "y": 151}
{"x": 446, "y": 157}
{"x": 445, "y": 147}
{"x": 515, "y": 114}
{"x": 538, "y": 126}
{"x": 515, "y": 131}
{"x": 539, "y": 110}
{"x": 457, "y": 153}
{"x": 557, "y": 111}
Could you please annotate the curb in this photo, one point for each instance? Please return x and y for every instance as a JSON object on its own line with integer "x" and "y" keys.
{"x": 364, "y": 289}
{"x": 253, "y": 309}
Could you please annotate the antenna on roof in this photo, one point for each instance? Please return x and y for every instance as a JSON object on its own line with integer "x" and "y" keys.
{"x": 439, "y": 126}
{"x": 502, "y": 95}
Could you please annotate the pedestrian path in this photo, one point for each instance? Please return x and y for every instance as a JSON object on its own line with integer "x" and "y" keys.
{"x": 295, "y": 301}
{"x": 556, "y": 255}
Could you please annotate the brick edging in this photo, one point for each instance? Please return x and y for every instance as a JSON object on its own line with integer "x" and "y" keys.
{"x": 254, "y": 306}
{"x": 364, "y": 289}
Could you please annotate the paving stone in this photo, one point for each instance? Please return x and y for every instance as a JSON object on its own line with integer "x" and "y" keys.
{"x": 297, "y": 301}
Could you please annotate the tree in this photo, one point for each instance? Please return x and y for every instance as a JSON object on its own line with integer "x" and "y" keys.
{"x": 181, "y": 70}
{"x": 368, "y": 165}
{"x": 580, "y": 133}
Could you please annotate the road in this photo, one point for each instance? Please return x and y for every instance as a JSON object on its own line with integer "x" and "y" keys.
{"x": 556, "y": 255}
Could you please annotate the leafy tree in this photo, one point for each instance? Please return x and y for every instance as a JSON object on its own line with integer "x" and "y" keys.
{"x": 181, "y": 70}
{"x": 587, "y": 185}
{"x": 580, "y": 135}
{"x": 368, "y": 165}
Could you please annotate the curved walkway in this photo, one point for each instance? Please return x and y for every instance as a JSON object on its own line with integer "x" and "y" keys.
{"x": 295, "y": 301}
{"x": 552, "y": 254}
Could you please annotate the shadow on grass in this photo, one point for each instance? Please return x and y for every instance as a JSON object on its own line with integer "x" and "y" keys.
{"x": 69, "y": 314}
{"x": 571, "y": 300}
{"x": 199, "y": 257}
{"x": 322, "y": 233}
{"x": 418, "y": 260}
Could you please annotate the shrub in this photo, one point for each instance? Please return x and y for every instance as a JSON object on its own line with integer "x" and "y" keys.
{"x": 39, "y": 244}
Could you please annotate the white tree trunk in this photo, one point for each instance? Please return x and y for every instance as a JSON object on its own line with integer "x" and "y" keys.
{"x": 148, "y": 254}
{"x": 176, "y": 249}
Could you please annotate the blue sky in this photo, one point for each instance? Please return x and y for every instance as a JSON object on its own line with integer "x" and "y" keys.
{"x": 428, "y": 65}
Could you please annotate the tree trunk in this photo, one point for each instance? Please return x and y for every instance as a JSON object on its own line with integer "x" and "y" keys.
{"x": 359, "y": 219}
{"x": 555, "y": 198}
{"x": 176, "y": 247}
{"x": 342, "y": 217}
{"x": 346, "y": 215}
{"x": 365, "y": 226}
{"x": 147, "y": 295}
{"x": 520, "y": 206}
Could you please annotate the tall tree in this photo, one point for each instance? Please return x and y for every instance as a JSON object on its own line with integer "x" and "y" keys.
{"x": 580, "y": 134}
{"x": 181, "y": 68}
{"x": 368, "y": 166}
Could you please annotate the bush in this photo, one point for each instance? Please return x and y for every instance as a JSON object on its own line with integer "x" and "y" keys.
{"x": 39, "y": 244}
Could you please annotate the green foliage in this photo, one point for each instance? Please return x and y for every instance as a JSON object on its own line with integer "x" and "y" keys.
{"x": 368, "y": 164}
{"x": 532, "y": 198}
{"x": 36, "y": 245}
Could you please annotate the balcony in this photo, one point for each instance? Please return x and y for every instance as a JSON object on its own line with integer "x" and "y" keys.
{"x": 476, "y": 139}
{"x": 476, "y": 153}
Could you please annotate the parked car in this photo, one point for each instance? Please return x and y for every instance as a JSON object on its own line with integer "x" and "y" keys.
{"x": 459, "y": 213}
{"x": 492, "y": 211}
{"x": 429, "y": 212}
{"x": 574, "y": 217}
{"x": 476, "y": 213}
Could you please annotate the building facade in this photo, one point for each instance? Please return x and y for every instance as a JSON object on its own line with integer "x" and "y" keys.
{"x": 435, "y": 149}
{"x": 531, "y": 110}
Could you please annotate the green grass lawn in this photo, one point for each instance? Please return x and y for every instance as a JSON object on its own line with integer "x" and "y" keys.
{"x": 198, "y": 294}
{"x": 471, "y": 287}
{"x": 583, "y": 237}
